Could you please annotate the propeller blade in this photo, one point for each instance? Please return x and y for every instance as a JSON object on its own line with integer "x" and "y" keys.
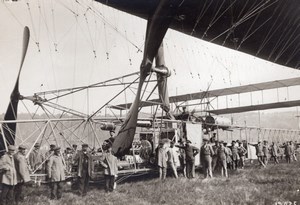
{"x": 9, "y": 129}
{"x": 157, "y": 27}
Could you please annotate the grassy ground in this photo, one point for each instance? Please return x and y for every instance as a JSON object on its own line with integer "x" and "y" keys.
{"x": 253, "y": 185}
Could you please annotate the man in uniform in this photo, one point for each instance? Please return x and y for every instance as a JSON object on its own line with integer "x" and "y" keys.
{"x": 222, "y": 153}
{"x": 8, "y": 177}
{"x": 68, "y": 159}
{"x": 242, "y": 153}
{"x": 259, "y": 153}
{"x": 215, "y": 157}
{"x": 56, "y": 173}
{"x": 110, "y": 164}
{"x": 182, "y": 157}
{"x": 36, "y": 159}
{"x": 190, "y": 153}
{"x": 274, "y": 152}
{"x": 22, "y": 173}
{"x": 48, "y": 154}
{"x": 235, "y": 155}
{"x": 206, "y": 154}
{"x": 83, "y": 160}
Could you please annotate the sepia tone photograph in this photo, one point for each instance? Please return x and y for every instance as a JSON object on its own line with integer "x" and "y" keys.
{"x": 141, "y": 102}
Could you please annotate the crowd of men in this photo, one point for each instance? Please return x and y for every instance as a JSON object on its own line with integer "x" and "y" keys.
{"x": 15, "y": 170}
{"x": 218, "y": 156}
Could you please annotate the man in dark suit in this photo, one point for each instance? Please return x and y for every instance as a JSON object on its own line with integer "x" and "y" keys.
{"x": 83, "y": 160}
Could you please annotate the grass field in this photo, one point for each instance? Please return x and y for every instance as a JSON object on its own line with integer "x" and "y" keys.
{"x": 253, "y": 185}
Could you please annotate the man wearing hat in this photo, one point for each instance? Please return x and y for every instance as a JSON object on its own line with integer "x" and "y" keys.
{"x": 48, "y": 154}
{"x": 22, "y": 173}
{"x": 242, "y": 153}
{"x": 83, "y": 160}
{"x": 222, "y": 153}
{"x": 36, "y": 159}
{"x": 235, "y": 155}
{"x": 110, "y": 164}
{"x": 56, "y": 173}
{"x": 190, "y": 153}
{"x": 206, "y": 154}
{"x": 68, "y": 157}
{"x": 259, "y": 152}
{"x": 8, "y": 177}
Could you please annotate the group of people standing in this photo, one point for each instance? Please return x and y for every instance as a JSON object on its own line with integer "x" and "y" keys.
{"x": 264, "y": 152}
{"x": 212, "y": 158}
{"x": 15, "y": 170}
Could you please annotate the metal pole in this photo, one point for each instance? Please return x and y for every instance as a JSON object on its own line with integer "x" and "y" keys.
{"x": 42, "y": 132}
{"x": 4, "y": 138}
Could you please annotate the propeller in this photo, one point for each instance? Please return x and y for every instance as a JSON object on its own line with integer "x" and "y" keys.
{"x": 157, "y": 26}
{"x": 9, "y": 129}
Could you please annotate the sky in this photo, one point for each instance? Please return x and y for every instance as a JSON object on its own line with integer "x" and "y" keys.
{"x": 72, "y": 45}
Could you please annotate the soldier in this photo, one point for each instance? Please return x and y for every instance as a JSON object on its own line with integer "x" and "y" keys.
{"x": 68, "y": 159}
{"x": 109, "y": 162}
{"x": 22, "y": 171}
{"x": 171, "y": 159}
{"x": 162, "y": 157}
{"x": 9, "y": 176}
{"x": 182, "y": 157}
{"x": 190, "y": 153}
{"x": 259, "y": 153}
{"x": 287, "y": 151}
{"x": 274, "y": 152}
{"x": 206, "y": 154}
{"x": 235, "y": 155}
{"x": 83, "y": 160}
{"x": 215, "y": 157}
{"x": 56, "y": 173}
{"x": 222, "y": 153}
{"x": 229, "y": 156}
{"x": 48, "y": 154}
{"x": 242, "y": 153}
{"x": 36, "y": 159}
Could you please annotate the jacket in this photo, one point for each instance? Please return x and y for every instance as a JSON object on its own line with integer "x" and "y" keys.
{"x": 190, "y": 152}
{"x": 110, "y": 164}
{"x": 78, "y": 160}
{"x": 56, "y": 168}
{"x": 21, "y": 168}
{"x": 36, "y": 159}
{"x": 7, "y": 164}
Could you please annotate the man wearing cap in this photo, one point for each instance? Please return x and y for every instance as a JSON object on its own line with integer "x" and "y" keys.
{"x": 83, "y": 160}
{"x": 215, "y": 157}
{"x": 259, "y": 152}
{"x": 222, "y": 153}
{"x": 110, "y": 164}
{"x": 235, "y": 155}
{"x": 206, "y": 154}
{"x": 265, "y": 150}
{"x": 242, "y": 153}
{"x": 56, "y": 173}
{"x": 274, "y": 152}
{"x": 190, "y": 153}
{"x": 22, "y": 173}
{"x": 68, "y": 157}
{"x": 36, "y": 159}
{"x": 8, "y": 177}
{"x": 48, "y": 154}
